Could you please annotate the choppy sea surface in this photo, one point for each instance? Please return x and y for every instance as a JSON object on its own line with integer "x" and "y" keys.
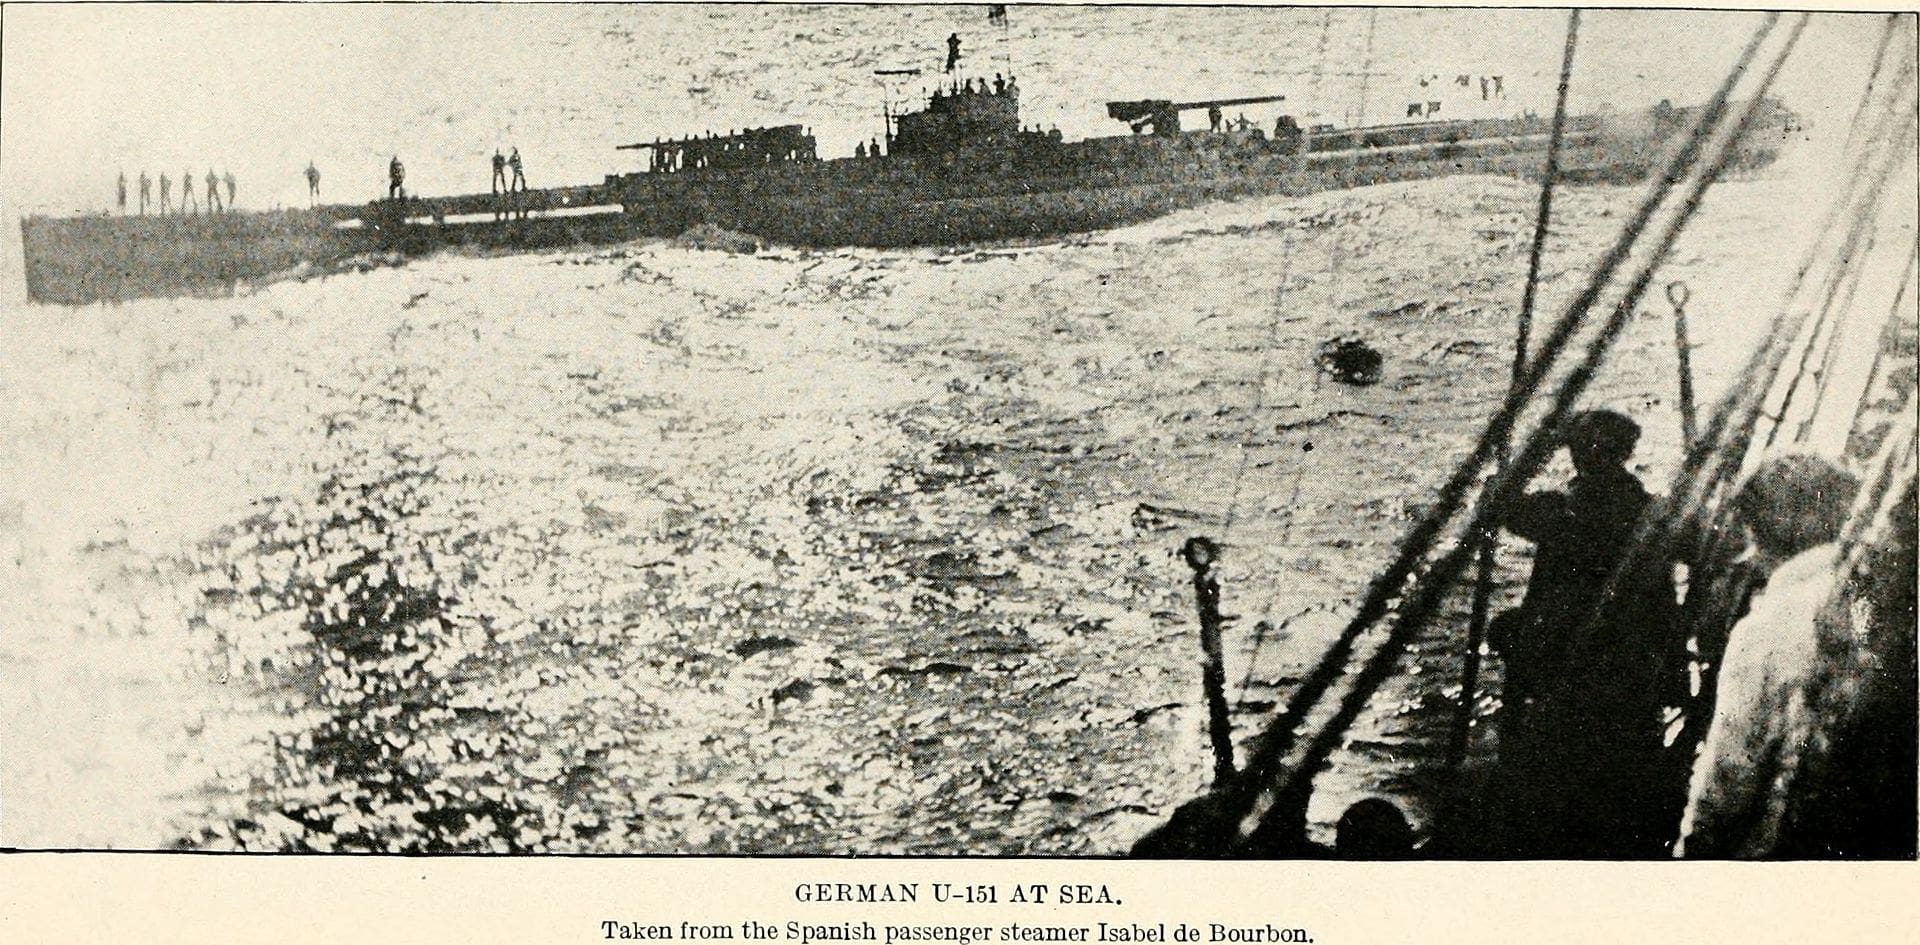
{"x": 663, "y": 548}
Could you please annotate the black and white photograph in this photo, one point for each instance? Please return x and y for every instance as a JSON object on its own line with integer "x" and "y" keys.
{"x": 958, "y": 430}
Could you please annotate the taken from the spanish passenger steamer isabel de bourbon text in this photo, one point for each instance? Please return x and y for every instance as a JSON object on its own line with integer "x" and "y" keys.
{"x": 986, "y": 430}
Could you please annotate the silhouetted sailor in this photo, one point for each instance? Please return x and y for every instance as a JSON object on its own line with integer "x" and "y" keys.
{"x": 953, "y": 52}
{"x": 313, "y": 183}
{"x": 1589, "y": 665}
{"x": 999, "y": 84}
{"x": 1213, "y": 117}
{"x": 519, "y": 172}
{"x": 146, "y": 192}
{"x": 1373, "y": 829}
{"x": 213, "y": 192}
{"x": 500, "y": 171}
{"x": 396, "y": 179}
{"x": 120, "y": 194}
{"x": 166, "y": 194}
{"x": 873, "y": 148}
{"x": 860, "y": 150}
{"x": 233, "y": 186}
{"x": 186, "y": 193}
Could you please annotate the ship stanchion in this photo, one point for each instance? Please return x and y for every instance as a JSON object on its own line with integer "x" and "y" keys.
{"x": 1677, "y": 294}
{"x": 1200, "y": 554}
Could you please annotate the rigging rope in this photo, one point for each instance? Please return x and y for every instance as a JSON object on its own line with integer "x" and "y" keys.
{"x": 1713, "y": 461}
{"x": 1277, "y": 738}
{"x": 1273, "y": 324}
{"x": 1507, "y": 485}
{"x": 1489, "y": 540}
{"x": 1702, "y": 483}
{"x": 1747, "y": 402}
{"x": 1829, "y": 354}
{"x": 1273, "y": 329}
{"x": 1891, "y": 325}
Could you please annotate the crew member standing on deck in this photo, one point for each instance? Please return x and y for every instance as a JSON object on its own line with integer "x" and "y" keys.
{"x": 313, "y": 184}
{"x": 146, "y": 192}
{"x": 232, "y": 187}
{"x": 213, "y": 192}
{"x": 519, "y": 172}
{"x": 1213, "y": 117}
{"x": 396, "y": 179}
{"x": 120, "y": 197}
{"x": 186, "y": 194}
{"x": 953, "y": 52}
{"x": 166, "y": 194}
{"x": 499, "y": 171}
{"x": 1589, "y": 662}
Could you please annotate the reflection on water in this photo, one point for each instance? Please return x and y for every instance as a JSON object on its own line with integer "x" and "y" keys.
{"x": 363, "y": 566}
{"x": 666, "y": 549}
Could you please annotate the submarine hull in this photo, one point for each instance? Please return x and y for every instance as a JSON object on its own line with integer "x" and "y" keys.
{"x": 1032, "y": 190}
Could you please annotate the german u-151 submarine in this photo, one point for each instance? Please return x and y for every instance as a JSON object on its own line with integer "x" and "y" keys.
{"x": 959, "y": 168}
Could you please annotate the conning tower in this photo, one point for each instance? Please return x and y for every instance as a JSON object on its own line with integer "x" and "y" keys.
{"x": 957, "y": 118}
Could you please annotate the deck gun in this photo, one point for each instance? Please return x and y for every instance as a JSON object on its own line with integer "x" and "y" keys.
{"x": 1163, "y": 115}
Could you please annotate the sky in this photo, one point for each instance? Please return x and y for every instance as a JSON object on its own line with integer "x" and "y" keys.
{"x": 93, "y": 90}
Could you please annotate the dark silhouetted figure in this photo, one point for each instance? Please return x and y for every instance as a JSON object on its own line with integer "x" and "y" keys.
{"x": 313, "y": 184}
{"x": 999, "y": 84}
{"x": 873, "y": 148}
{"x": 519, "y": 172}
{"x": 953, "y": 52}
{"x": 860, "y": 150}
{"x": 1589, "y": 669}
{"x": 1213, "y": 117}
{"x": 186, "y": 193}
{"x": 396, "y": 179}
{"x": 233, "y": 187}
{"x": 146, "y": 192}
{"x": 1373, "y": 829}
{"x": 120, "y": 195}
{"x": 166, "y": 194}
{"x": 499, "y": 171}
{"x": 213, "y": 192}
{"x": 997, "y": 13}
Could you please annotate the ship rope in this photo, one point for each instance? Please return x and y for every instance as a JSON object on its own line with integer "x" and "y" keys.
{"x": 1422, "y": 603}
{"x": 1273, "y": 329}
{"x": 1716, "y": 462}
{"x": 1263, "y": 627}
{"x": 1836, "y": 336}
{"x": 1249, "y": 793}
{"x": 1487, "y": 556}
{"x": 1727, "y": 446}
{"x": 1887, "y": 330}
{"x": 1335, "y": 280}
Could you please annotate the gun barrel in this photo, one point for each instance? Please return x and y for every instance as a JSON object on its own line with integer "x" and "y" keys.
{"x": 1225, "y": 102}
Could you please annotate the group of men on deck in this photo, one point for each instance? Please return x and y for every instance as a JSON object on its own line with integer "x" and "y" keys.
{"x": 1776, "y": 654}
{"x": 188, "y": 204}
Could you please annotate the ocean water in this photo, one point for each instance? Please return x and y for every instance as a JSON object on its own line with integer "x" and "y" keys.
{"x": 661, "y": 548}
